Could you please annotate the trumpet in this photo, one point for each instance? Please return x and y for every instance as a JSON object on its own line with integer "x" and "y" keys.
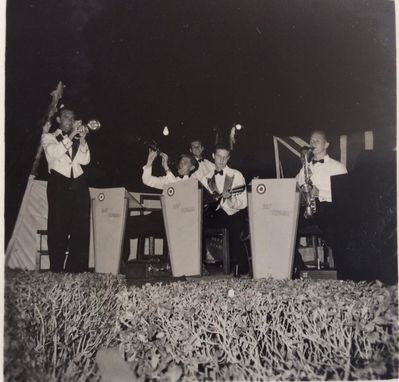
{"x": 92, "y": 125}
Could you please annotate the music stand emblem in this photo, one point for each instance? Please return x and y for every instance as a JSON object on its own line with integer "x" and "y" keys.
{"x": 261, "y": 189}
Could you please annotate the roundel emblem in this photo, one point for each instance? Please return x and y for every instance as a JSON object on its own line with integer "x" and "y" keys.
{"x": 101, "y": 197}
{"x": 170, "y": 191}
{"x": 261, "y": 189}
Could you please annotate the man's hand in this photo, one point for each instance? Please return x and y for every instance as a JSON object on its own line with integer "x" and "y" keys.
{"x": 226, "y": 195}
{"x": 76, "y": 129}
{"x": 151, "y": 157}
{"x": 82, "y": 134}
{"x": 315, "y": 192}
{"x": 164, "y": 161}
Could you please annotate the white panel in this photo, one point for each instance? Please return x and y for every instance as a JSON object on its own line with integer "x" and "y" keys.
{"x": 343, "y": 143}
{"x": 109, "y": 214}
{"x": 273, "y": 206}
{"x": 368, "y": 140}
{"x": 182, "y": 211}
{"x": 276, "y": 157}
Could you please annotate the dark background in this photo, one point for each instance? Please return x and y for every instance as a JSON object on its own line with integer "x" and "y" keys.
{"x": 278, "y": 67}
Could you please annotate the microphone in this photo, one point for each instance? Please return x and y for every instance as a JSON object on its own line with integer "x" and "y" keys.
{"x": 306, "y": 153}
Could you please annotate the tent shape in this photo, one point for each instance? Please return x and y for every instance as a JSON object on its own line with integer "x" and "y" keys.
{"x": 22, "y": 248}
{"x": 32, "y": 216}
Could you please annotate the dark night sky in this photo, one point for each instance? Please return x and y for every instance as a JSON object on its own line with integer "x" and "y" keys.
{"x": 279, "y": 67}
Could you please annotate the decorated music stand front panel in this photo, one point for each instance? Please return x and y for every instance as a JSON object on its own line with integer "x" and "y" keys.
{"x": 273, "y": 206}
{"x": 182, "y": 211}
{"x": 110, "y": 206}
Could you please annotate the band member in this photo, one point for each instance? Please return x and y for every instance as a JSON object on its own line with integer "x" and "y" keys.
{"x": 229, "y": 211}
{"x": 67, "y": 193}
{"x": 186, "y": 167}
{"x": 136, "y": 225}
{"x": 321, "y": 169}
{"x": 204, "y": 165}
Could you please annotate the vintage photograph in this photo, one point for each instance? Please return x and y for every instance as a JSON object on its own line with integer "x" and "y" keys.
{"x": 200, "y": 190}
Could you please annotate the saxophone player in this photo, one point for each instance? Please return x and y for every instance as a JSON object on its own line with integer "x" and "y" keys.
{"x": 320, "y": 170}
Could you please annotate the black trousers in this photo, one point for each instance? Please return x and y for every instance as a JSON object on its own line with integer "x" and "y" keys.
{"x": 236, "y": 224}
{"x": 324, "y": 218}
{"x": 68, "y": 223}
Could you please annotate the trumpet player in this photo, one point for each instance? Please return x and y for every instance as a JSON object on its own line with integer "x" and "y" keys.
{"x": 316, "y": 180}
{"x": 68, "y": 196}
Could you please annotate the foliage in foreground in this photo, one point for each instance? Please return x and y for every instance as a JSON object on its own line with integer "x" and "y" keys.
{"x": 279, "y": 330}
{"x": 55, "y": 323}
{"x": 268, "y": 329}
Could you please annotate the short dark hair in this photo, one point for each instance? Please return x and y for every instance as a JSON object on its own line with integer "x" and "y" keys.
{"x": 196, "y": 140}
{"x": 63, "y": 110}
{"x": 193, "y": 161}
{"x": 222, "y": 146}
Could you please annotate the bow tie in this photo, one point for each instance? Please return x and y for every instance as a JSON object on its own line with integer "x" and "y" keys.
{"x": 61, "y": 136}
{"x": 317, "y": 161}
{"x": 200, "y": 160}
{"x": 219, "y": 172}
{"x": 180, "y": 176}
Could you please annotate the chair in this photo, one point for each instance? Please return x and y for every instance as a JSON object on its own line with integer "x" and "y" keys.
{"x": 151, "y": 234}
{"x": 315, "y": 235}
{"x": 246, "y": 240}
{"x": 40, "y": 252}
{"x": 223, "y": 234}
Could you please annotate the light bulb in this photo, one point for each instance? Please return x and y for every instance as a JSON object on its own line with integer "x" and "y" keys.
{"x": 165, "y": 130}
{"x": 238, "y": 126}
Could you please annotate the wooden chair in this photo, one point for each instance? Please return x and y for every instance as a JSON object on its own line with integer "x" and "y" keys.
{"x": 223, "y": 234}
{"x": 314, "y": 233}
{"x": 41, "y": 251}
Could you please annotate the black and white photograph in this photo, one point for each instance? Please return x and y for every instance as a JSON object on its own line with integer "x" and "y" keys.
{"x": 200, "y": 190}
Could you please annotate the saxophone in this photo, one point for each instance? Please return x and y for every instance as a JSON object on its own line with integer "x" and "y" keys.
{"x": 308, "y": 200}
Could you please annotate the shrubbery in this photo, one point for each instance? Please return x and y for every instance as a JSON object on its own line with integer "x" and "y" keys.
{"x": 221, "y": 329}
{"x": 281, "y": 330}
{"x": 54, "y": 324}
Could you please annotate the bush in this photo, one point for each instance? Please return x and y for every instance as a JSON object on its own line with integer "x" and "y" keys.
{"x": 54, "y": 324}
{"x": 199, "y": 330}
{"x": 280, "y": 330}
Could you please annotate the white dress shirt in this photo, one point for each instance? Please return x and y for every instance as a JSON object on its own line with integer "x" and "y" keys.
{"x": 204, "y": 167}
{"x": 236, "y": 202}
{"x": 159, "y": 181}
{"x": 321, "y": 176}
{"x": 58, "y": 158}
